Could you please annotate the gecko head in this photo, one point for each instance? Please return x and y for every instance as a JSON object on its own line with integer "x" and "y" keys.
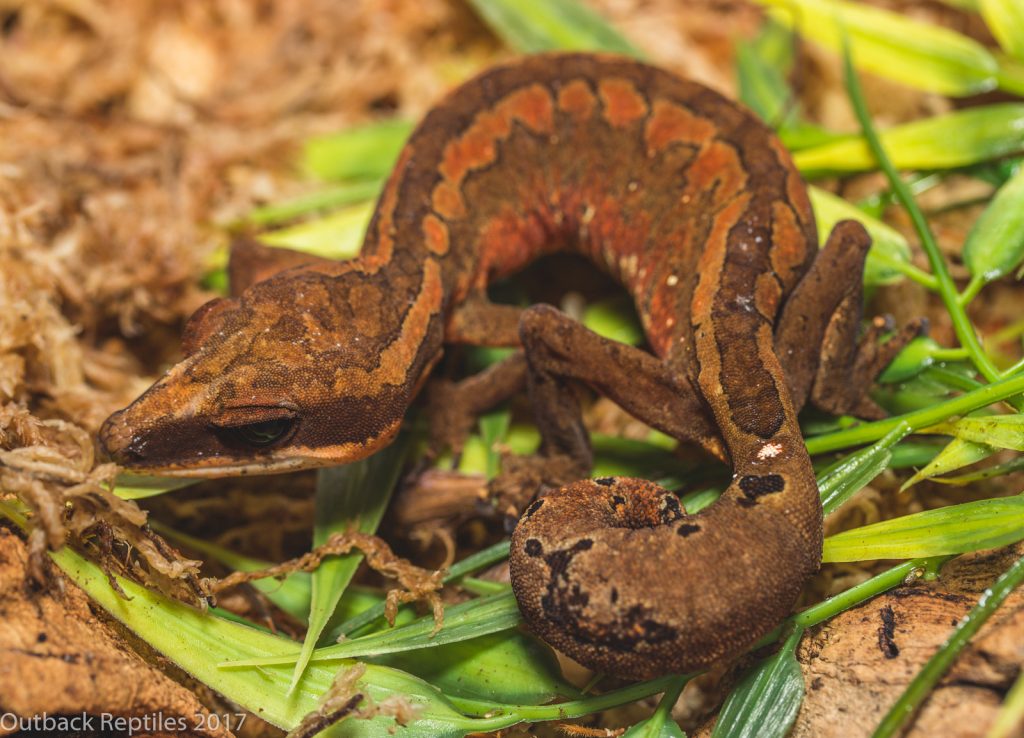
{"x": 303, "y": 370}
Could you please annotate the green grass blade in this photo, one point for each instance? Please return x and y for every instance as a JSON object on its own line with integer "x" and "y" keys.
{"x": 463, "y": 622}
{"x": 335, "y": 236}
{"x": 1011, "y": 714}
{"x": 350, "y": 193}
{"x": 917, "y": 356}
{"x": 614, "y": 318}
{"x": 479, "y": 560}
{"x": 891, "y": 45}
{"x": 761, "y": 68}
{"x": 531, "y": 26}
{"x": 290, "y": 594}
{"x": 508, "y": 667}
{"x": 995, "y": 245}
{"x": 765, "y": 703}
{"x": 922, "y": 684}
{"x": 1005, "y": 18}
{"x": 660, "y": 724}
{"x": 857, "y": 470}
{"x": 139, "y": 487}
{"x": 1001, "y": 431}
{"x": 358, "y": 153}
{"x": 348, "y": 497}
{"x": 957, "y": 454}
{"x": 196, "y": 642}
{"x": 953, "y": 529}
{"x": 956, "y": 139}
{"x": 889, "y": 258}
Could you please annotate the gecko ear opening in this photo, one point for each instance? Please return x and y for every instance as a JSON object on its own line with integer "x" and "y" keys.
{"x": 204, "y": 322}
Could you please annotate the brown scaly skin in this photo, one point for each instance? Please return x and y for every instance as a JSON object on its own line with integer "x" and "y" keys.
{"x": 696, "y": 208}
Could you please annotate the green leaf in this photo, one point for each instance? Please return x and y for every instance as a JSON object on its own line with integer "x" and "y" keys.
{"x": 761, "y": 68}
{"x": 891, "y": 45}
{"x": 954, "y": 529}
{"x": 290, "y": 594}
{"x": 1001, "y": 431}
{"x": 995, "y": 245}
{"x": 197, "y": 642}
{"x": 1011, "y": 714}
{"x": 664, "y": 729}
{"x": 614, "y": 318}
{"x": 506, "y": 667}
{"x": 857, "y": 470}
{"x": 348, "y": 497}
{"x": 957, "y": 454}
{"x": 946, "y": 141}
{"x": 915, "y": 357}
{"x": 335, "y": 236}
{"x": 765, "y": 703}
{"x": 1005, "y": 18}
{"x": 325, "y": 199}
{"x": 889, "y": 253}
{"x": 139, "y": 486}
{"x": 463, "y": 622}
{"x": 358, "y": 153}
{"x": 531, "y": 26}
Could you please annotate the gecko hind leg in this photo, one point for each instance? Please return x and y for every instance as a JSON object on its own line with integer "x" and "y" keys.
{"x": 816, "y": 334}
{"x": 561, "y": 351}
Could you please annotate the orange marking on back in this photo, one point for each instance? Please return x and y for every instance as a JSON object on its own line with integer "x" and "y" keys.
{"x": 399, "y": 355}
{"x": 577, "y": 100}
{"x": 789, "y": 245}
{"x": 447, "y": 201}
{"x": 767, "y": 294}
{"x": 718, "y": 161}
{"x": 623, "y": 103}
{"x": 385, "y": 244}
{"x": 476, "y": 148}
{"x": 712, "y": 259}
{"x": 435, "y": 235}
{"x": 671, "y": 123}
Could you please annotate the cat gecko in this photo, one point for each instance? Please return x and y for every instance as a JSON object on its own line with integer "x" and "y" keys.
{"x": 688, "y": 201}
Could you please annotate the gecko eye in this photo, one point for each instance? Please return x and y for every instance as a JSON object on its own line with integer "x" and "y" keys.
{"x": 255, "y": 427}
{"x": 262, "y": 434}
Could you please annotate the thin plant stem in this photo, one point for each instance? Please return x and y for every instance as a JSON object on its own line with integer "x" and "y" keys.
{"x": 965, "y": 332}
{"x": 871, "y": 432}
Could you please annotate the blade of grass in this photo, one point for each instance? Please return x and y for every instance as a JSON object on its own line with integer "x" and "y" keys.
{"x": 965, "y": 403}
{"x": 463, "y": 622}
{"x": 338, "y": 235}
{"x": 957, "y": 454}
{"x": 325, "y": 199}
{"x": 1005, "y": 18}
{"x": 348, "y": 497}
{"x": 531, "y": 26}
{"x": 360, "y": 152}
{"x": 290, "y": 594}
{"x": 889, "y": 257}
{"x": 766, "y": 701}
{"x": 995, "y": 245}
{"x": 922, "y": 684}
{"x": 963, "y": 528}
{"x": 947, "y": 289}
{"x": 468, "y": 565}
{"x": 857, "y": 470}
{"x": 139, "y": 487}
{"x": 660, "y": 723}
{"x": 944, "y": 141}
{"x": 891, "y": 45}
{"x": 1011, "y": 715}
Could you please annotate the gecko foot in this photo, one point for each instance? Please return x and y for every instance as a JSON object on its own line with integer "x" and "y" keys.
{"x": 524, "y": 478}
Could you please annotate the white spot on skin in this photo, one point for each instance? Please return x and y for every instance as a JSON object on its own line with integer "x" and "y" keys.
{"x": 672, "y": 280}
{"x": 669, "y": 322}
{"x": 769, "y": 451}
